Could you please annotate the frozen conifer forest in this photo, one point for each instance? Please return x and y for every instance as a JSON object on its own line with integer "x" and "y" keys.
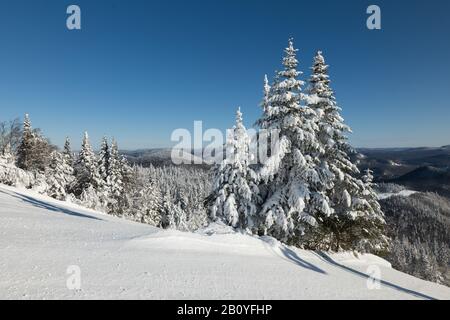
{"x": 311, "y": 199}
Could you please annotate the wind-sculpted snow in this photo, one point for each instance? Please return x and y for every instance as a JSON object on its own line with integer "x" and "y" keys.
{"x": 41, "y": 237}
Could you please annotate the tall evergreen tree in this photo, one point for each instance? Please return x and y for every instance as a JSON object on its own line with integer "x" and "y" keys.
{"x": 34, "y": 151}
{"x": 115, "y": 181}
{"x": 291, "y": 175}
{"x": 59, "y": 176}
{"x": 146, "y": 201}
{"x": 368, "y": 229}
{"x": 86, "y": 171}
{"x": 235, "y": 196}
{"x": 346, "y": 191}
{"x": 26, "y": 146}
{"x": 67, "y": 152}
{"x": 104, "y": 160}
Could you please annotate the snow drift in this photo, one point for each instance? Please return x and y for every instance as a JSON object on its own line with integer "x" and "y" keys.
{"x": 41, "y": 237}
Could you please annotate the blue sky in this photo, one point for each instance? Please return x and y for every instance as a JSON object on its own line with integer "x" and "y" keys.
{"x": 140, "y": 69}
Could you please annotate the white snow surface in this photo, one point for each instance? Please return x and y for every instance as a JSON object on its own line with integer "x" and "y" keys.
{"x": 40, "y": 238}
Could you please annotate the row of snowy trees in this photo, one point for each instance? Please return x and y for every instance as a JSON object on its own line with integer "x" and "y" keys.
{"x": 169, "y": 197}
{"x": 308, "y": 192}
{"x": 98, "y": 182}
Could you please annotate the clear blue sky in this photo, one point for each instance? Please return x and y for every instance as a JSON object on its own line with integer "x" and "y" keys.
{"x": 139, "y": 69}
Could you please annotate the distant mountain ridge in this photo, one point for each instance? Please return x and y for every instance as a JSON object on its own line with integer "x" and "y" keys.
{"x": 392, "y": 163}
{"x": 427, "y": 178}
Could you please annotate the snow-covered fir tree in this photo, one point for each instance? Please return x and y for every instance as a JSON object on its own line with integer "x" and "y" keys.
{"x": 345, "y": 191}
{"x": 115, "y": 182}
{"x": 178, "y": 218}
{"x": 235, "y": 196}
{"x": 293, "y": 180}
{"x": 146, "y": 202}
{"x": 67, "y": 152}
{"x": 59, "y": 176}
{"x": 368, "y": 229}
{"x": 172, "y": 215}
{"x": 127, "y": 174}
{"x": 34, "y": 150}
{"x": 87, "y": 177}
{"x": 104, "y": 160}
{"x": 26, "y": 146}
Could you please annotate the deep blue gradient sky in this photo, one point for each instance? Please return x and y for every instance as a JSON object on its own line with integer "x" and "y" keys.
{"x": 139, "y": 69}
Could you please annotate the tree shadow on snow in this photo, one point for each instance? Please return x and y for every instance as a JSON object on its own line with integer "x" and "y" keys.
{"x": 288, "y": 254}
{"x": 293, "y": 256}
{"x": 328, "y": 259}
{"x": 47, "y": 206}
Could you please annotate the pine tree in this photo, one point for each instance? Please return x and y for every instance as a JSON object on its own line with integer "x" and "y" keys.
{"x": 86, "y": 171}
{"x": 147, "y": 204}
{"x": 26, "y": 146}
{"x": 235, "y": 196}
{"x": 291, "y": 175}
{"x": 115, "y": 182}
{"x": 104, "y": 160}
{"x": 42, "y": 152}
{"x": 127, "y": 173}
{"x": 59, "y": 176}
{"x": 67, "y": 152}
{"x": 344, "y": 189}
{"x": 167, "y": 213}
{"x": 368, "y": 227}
{"x": 34, "y": 150}
{"x": 179, "y": 218}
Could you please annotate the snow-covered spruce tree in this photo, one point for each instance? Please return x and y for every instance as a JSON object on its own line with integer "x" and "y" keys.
{"x": 26, "y": 146}
{"x": 67, "y": 153}
{"x": 115, "y": 182}
{"x": 127, "y": 174}
{"x": 59, "y": 176}
{"x": 104, "y": 160}
{"x": 179, "y": 218}
{"x": 235, "y": 194}
{"x": 86, "y": 186}
{"x": 346, "y": 192}
{"x": 172, "y": 215}
{"x": 145, "y": 201}
{"x": 292, "y": 176}
{"x": 34, "y": 150}
{"x": 367, "y": 231}
{"x": 42, "y": 152}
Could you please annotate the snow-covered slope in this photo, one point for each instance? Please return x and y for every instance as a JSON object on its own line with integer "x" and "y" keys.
{"x": 40, "y": 238}
{"x": 403, "y": 193}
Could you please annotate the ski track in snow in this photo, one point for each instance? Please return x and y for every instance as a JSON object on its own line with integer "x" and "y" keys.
{"x": 41, "y": 237}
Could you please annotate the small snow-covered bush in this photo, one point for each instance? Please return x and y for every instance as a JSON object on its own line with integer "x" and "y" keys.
{"x": 13, "y": 176}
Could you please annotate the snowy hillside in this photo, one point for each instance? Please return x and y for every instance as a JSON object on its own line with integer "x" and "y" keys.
{"x": 40, "y": 238}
